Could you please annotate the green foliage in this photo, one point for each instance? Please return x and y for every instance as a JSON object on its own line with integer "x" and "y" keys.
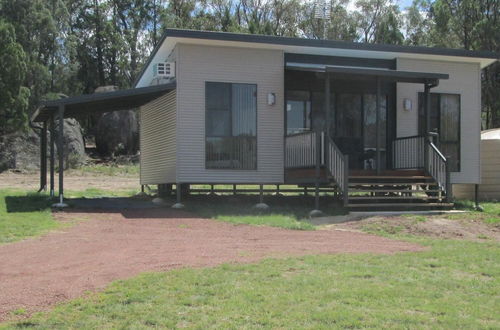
{"x": 454, "y": 284}
{"x": 73, "y": 46}
{"x": 13, "y": 95}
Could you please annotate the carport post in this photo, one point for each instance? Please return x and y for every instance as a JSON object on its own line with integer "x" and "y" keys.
{"x": 52, "y": 154}
{"x": 60, "y": 150}
{"x": 43, "y": 157}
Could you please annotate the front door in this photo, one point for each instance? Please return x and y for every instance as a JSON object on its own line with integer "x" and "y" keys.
{"x": 356, "y": 130}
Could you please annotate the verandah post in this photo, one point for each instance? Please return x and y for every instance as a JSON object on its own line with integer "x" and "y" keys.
{"x": 327, "y": 115}
{"x": 427, "y": 107}
{"x": 346, "y": 181}
{"x": 318, "y": 170}
{"x": 449, "y": 192}
{"x": 377, "y": 125}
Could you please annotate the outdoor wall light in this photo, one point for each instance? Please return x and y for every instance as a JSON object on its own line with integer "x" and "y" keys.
{"x": 271, "y": 99}
{"x": 407, "y": 104}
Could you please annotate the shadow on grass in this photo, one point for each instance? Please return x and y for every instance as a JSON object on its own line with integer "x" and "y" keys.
{"x": 297, "y": 207}
{"x": 29, "y": 203}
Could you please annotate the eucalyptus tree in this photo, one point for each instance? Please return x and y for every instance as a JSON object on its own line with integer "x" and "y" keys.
{"x": 13, "y": 94}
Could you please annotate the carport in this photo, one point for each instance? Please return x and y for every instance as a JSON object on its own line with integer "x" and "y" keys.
{"x": 79, "y": 106}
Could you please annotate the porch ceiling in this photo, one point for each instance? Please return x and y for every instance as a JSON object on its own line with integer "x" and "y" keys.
{"x": 386, "y": 74}
{"x": 101, "y": 102}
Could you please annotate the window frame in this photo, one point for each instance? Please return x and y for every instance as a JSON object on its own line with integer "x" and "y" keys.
{"x": 421, "y": 105}
{"x": 256, "y": 166}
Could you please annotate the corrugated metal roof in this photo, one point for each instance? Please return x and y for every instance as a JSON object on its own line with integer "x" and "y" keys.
{"x": 101, "y": 102}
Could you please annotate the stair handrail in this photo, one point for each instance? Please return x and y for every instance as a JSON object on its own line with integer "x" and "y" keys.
{"x": 338, "y": 167}
{"x": 437, "y": 165}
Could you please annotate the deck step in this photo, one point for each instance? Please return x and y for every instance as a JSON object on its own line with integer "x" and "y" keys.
{"x": 381, "y": 198}
{"x": 391, "y": 184}
{"x": 384, "y": 177}
{"x": 377, "y": 190}
{"x": 400, "y": 205}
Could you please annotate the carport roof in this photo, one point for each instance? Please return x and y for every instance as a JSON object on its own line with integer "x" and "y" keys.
{"x": 101, "y": 102}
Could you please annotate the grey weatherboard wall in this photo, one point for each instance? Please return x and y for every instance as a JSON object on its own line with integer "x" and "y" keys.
{"x": 465, "y": 79}
{"x": 199, "y": 64}
{"x": 158, "y": 140}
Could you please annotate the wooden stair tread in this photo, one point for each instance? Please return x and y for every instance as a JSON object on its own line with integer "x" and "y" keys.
{"x": 391, "y": 183}
{"x": 402, "y": 204}
{"x": 393, "y": 190}
{"x": 383, "y": 177}
{"x": 392, "y": 197}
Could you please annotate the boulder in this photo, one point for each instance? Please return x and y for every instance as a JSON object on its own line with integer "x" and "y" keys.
{"x": 117, "y": 132}
{"x": 73, "y": 143}
{"x": 21, "y": 151}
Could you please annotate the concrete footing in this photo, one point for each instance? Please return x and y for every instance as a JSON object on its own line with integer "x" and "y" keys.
{"x": 178, "y": 206}
{"x": 261, "y": 206}
{"x": 60, "y": 205}
{"x": 316, "y": 213}
{"x": 159, "y": 201}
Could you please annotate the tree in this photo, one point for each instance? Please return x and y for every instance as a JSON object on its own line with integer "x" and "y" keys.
{"x": 379, "y": 21}
{"x": 13, "y": 95}
{"x": 474, "y": 25}
{"x": 417, "y": 24}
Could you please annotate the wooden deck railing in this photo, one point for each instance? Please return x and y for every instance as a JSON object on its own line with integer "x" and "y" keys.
{"x": 338, "y": 167}
{"x": 300, "y": 152}
{"x": 408, "y": 152}
{"x": 418, "y": 152}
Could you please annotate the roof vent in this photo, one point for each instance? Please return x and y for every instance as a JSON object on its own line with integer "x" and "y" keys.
{"x": 164, "y": 69}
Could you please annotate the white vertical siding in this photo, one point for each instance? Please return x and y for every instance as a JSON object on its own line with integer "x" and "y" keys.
{"x": 158, "y": 140}
{"x": 465, "y": 80}
{"x": 199, "y": 64}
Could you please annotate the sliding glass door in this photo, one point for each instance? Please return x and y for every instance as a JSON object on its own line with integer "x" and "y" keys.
{"x": 356, "y": 129}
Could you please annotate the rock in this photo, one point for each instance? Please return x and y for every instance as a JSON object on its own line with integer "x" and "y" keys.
{"x": 105, "y": 89}
{"x": 74, "y": 146}
{"x": 21, "y": 151}
{"x": 117, "y": 132}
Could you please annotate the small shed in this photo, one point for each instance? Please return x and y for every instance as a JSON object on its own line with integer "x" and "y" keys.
{"x": 489, "y": 189}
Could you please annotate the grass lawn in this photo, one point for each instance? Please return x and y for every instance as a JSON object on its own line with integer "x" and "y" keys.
{"x": 106, "y": 169}
{"x": 453, "y": 285}
{"x": 23, "y": 215}
{"x": 490, "y": 214}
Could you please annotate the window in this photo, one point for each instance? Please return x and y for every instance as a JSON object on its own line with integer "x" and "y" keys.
{"x": 298, "y": 112}
{"x": 445, "y": 120}
{"x": 231, "y": 126}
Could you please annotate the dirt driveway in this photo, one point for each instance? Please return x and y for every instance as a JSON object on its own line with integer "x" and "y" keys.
{"x": 105, "y": 246}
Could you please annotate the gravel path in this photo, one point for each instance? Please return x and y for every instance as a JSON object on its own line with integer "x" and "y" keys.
{"x": 104, "y": 246}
